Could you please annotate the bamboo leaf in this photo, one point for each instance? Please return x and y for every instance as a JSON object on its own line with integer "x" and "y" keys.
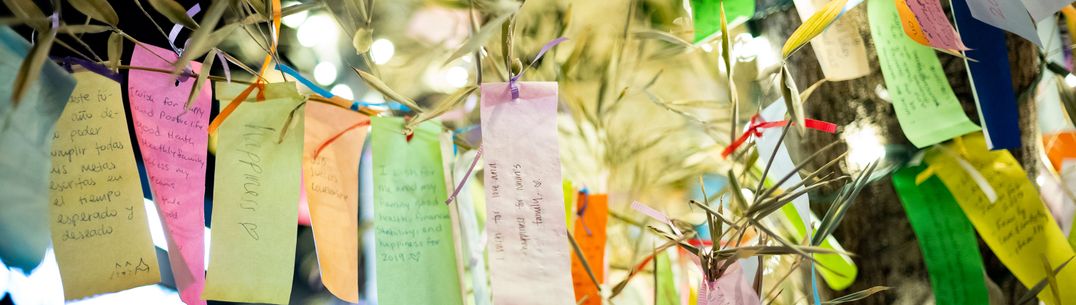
{"x": 1035, "y": 290}
{"x": 856, "y": 296}
{"x": 207, "y": 66}
{"x": 174, "y": 12}
{"x": 806, "y": 94}
{"x": 27, "y": 10}
{"x": 447, "y": 104}
{"x": 813, "y": 26}
{"x": 792, "y": 98}
{"x": 478, "y": 39}
{"x": 663, "y": 36}
{"x": 205, "y": 38}
{"x": 385, "y": 90}
{"x": 83, "y": 29}
{"x": 97, "y": 9}
{"x": 30, "y": 69}
{"x": 115, "y": 50}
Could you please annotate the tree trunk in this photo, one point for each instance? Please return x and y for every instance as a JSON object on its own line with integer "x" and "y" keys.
{"x": 876, "y": 228}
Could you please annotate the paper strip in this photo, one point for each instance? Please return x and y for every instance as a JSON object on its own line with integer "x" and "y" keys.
{"x": 255, "y": 197}
{"x": 935, "y": 24}
{"x": 473, "y": 240}
{"x": 839, "y": 49}
{"x": 990, "y": 77}
{"x": 707, "y": 15}
{"x": 416, "y": 256}
{"x": 331, "y": 182}
{"x": 1042, "y": 9}
{"x": 1009, "y": 15}
{"x": 950, "y": 249}
{"x": 26, "y": 131}
{"x": 529, "y": 252}
{"x": 99, "y": 227}
{"x": 173, "y": 143}
{"x": 667, "y": 293}
{"x": 730, "y": 289}
{"x": 1017, "y": 227}
{"x": 590, "y": 235}
{"x": 926, "y": 107}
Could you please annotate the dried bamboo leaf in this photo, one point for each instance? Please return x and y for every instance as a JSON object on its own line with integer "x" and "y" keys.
{"x": 174, "y": 12}
{"x": 97, "y": 9}
{"x": 115, "y": 50}
{"x": 28, "y": 11}
{"x": 447, "y": 104}
{"x": 207, "y": 66}
{"x": 663, "y": 36}
{"x": 1035, "y": 290}
{"x": 856, "y": 296}
{"x": 205, "y": 38}
{"x": 385, "y": 90}
{"x": 1068, "y": 97}
{"x": 478, "y": 39}
{"x": 30, "y": 69}
{"x": 806, "y": 94}
{"x": 792, "y": 98}
{"x": 83, "y": 29}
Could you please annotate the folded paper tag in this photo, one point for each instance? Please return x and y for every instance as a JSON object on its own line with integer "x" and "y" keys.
{"x": 1042, "y": 9}
{"x": 529, "y": 250}
{"x": 1017, "y": 227}
{"x": 173, "y": 142}
{"x": 26, "y": 131}
{"x": 99, "y": 226}
{"x": 412, "y": 226}
{"x": 926, "y": 106}
{"x": 331, "y": 147}
{"x": 950, "y": 249}
{"x": 1008, "y": 15}
{"x": 255, "y": 196}
{"x": 839, "y": 49}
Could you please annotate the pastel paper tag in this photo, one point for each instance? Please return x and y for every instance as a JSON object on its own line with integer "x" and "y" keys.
{"x": 255, "y": 196}
{"x": 173, "y": 143}
{"x": 1042, "y": 9}
{"x": 926, "y": 106}
{"x": 730, "y": 289}
{"x": 473, "y": 238}
{"x": 1008, "y": 15}
{"x": 331, "y": 182}
{"x": 770, "y": 145}
{"x": 990, "y": 76}
{"x": 590, "y": 235}
{"x": 935, "y": 24}
{"x": 99, "y": 227}
{"x": 415, "y": 252}
{"x": 667, "y": 293}
{"x": 840, "y": 49}
{"x": 1017, "y": 227}
{"x": 26, "y": 131}
{"x": 529, "y": 251}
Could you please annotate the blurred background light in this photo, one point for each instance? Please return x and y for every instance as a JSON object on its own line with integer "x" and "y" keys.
{"x": 456, "y": 77}
{"x": 343, "y": 91}
{"x": 293, "y": 20}
{"x": 325, "y": 73}
{"x": 382, "y": 50}
{"x": 318, "y": 31}
{"x": 864, "y": 145}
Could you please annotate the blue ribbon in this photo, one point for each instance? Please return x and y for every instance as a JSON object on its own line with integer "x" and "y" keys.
{"x": 322, "y": 92}
{"x": 990, "y": 77}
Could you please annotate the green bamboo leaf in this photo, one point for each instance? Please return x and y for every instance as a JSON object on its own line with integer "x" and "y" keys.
{"x": 28, "y": 11}
{"x": 97, "y": 9}
{"x": 174, "y": 12}
{"x": 30, "y": 69}
{"x": 792, "y": 98}
{"x": 83, "y": 29}
{"x": 385, "y": 90}
{"x": 478, "y": 39}
{"x": 447, "y": 104}
{"x": 205, "y": 38}
{"x": 207, "y": 66}
{"x": 663, "y": 36}
{"x": 115, "y": 50}
{"x": 856, "y": 296}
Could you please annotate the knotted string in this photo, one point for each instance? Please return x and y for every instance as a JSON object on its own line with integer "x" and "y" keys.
{"x": 513, "y": 83}
{"x": 176, "y": 28}
{"x": 459, "y": 186}
{"x": 757, "y": 124}
{"x": 91, "y": 66}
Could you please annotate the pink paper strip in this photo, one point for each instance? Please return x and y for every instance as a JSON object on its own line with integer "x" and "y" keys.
{"x": 173, "y": 142}
{"x": 529, "y": 258}
{"x": 730, "y": 289}
{"x": 935, "y": 24}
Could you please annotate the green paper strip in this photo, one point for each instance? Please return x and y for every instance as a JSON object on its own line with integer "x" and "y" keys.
{"x": 840, "y": 271}
{"x": 667, "y": 294}
{"x": 946, "y": 238}
{"x": 707, "y": 15}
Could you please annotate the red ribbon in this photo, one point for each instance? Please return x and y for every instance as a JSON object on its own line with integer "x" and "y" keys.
{"x": 757, "y": 124}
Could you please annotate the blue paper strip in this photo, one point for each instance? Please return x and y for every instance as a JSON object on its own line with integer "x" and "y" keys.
{"x": 990, "y": 77}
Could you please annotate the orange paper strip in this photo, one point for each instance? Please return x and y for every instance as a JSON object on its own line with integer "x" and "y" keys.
{"x": 590, "y": 235}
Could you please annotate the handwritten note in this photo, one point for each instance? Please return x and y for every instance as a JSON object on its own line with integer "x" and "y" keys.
{"x": 935, "y": 24}
{"x": 590, "y": 236}
{"x": 1008, "y": 15}
{"x": 99, "y": 226}
{"x": 950, "y": 249}
{"x": 331, "y": 180}
{"x": 730, "y": 289}
{"x": 1017, "y": 226}
{"x": 412, "y": 226}
{"x": 926, "y": 106}
{"x": 26, "y": 131}
{"x": 839, "y": 49}
{"x": 173, "y": 143}
{"x": 255, "y": 196}
{"x": 910, "y": 24}
{"x": 529, "y": 252}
